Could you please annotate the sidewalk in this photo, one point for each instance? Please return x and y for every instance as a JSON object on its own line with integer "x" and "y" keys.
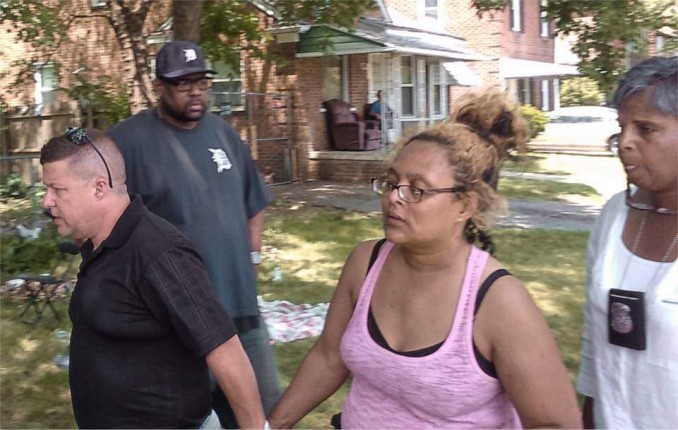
{"x": 360, "y": 198}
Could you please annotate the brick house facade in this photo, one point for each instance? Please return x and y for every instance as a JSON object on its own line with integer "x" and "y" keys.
{"x": 38, "y": 108}
{"x": 281, "y": 117}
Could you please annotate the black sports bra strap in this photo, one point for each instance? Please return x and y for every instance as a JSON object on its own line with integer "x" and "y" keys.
{"x": 375, "y": 253}
{"x": 486, "y": 286}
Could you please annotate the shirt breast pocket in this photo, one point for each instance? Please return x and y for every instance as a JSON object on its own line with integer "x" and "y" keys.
{"x": 663, "y": 340}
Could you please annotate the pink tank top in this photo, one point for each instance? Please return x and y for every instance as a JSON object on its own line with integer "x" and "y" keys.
{"x": 446, "y": 389}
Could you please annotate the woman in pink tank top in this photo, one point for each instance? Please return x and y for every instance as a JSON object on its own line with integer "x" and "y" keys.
{"x": 413, "y": 320}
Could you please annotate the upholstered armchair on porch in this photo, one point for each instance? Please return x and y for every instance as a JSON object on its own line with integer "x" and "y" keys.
{"x": 346, "y": 131}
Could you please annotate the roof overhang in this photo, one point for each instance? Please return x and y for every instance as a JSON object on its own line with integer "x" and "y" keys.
{"x": 462, "y": 74}
{"x": 395, "y": 49}
{"x": 322, "y": 40}
{"x": 379, "y": 40}
{"x": 266, "y": 7}
{"x": 513, "y": 68}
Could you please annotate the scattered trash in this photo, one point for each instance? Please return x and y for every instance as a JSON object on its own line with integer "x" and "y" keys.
{"x": 287, "y": 322}
{"x": 63, "y": 360}
{"x": 14, "y": 284}
{"x": 28, "y": 233}
{"x": 277, "y": 274}
{"x": 21, "y": 289}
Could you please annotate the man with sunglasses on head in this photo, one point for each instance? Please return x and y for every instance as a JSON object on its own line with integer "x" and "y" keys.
{"x": 147, "y": 324}
{"x": 191, "y": 168}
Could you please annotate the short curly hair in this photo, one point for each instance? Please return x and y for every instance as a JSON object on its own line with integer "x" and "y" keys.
{"x": 477, "y": 137}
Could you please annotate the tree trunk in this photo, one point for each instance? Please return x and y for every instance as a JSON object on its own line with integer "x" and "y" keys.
{"x": 128, "y": 25}
{"x": 186, "y": 19}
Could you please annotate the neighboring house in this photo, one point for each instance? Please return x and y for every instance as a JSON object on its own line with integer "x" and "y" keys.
{"x": 521, "y": 47}
{"x": 39, "y": 107}
{"x": 420, "y": 53}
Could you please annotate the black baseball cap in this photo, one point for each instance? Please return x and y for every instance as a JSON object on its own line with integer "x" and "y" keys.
{"x": 180, "y": 58}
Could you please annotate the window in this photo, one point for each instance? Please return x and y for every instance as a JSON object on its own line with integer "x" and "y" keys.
{"x": 543, "y": 20}
{"x": 151, "y": 65}
{"x": 660, "y": 42}
{"x": 516, "y": 15}
{"x": 379, "y": 76}
{"x": 332, "y": 79}
{"x": 226, "y": 86}
{"x": 435, "y": 89}
{"x": 407, "y": 85}
{"x": 98, "y": 3}
{"x": 45, "y": 84}
{"x": 432, "y": 12}
{"x": 431, "y": 9}
{"x": 556, "y": 93}
{"x": 524, "y": 92}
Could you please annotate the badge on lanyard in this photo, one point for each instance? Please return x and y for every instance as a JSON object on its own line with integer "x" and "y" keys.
{"x": 626, "y": 318}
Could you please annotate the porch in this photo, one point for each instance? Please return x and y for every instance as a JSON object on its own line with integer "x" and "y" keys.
{"x": 346, "y": 166}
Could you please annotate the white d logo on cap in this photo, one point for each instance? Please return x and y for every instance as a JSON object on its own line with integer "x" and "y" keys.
{"x": 190, "y": 54}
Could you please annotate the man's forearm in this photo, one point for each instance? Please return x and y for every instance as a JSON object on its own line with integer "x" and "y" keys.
{"x": 256, "y": 228}
{"x": 232, "y": 369}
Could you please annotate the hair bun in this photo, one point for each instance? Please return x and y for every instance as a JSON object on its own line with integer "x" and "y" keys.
{"x": 474, "y": 124}
{"x": 502, "y": 124}
{"x": 466, "y": 118}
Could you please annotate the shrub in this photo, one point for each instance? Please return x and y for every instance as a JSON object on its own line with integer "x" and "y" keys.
{"x": 107, "y": 100}
{"x": 14, "y": 187}
{"x": 535, "y": 118}
{"x": 19, "y": 255}
{"x": 580, "y": 91}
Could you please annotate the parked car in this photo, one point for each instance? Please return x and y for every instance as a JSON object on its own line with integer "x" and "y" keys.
{"x": 581, "y": 128}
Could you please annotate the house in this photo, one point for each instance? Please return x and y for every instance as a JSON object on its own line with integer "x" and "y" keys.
{"x": 59, "y": 87}
{"x": 420, "y": 53}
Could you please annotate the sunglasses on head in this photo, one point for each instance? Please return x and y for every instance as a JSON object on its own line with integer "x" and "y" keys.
{"x": 630, "y": 202}
{"x": 78, "y": 136}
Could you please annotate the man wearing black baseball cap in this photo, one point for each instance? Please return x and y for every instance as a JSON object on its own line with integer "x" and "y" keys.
{"x": 182, "y": 84}
{"x": 191, "y": 168}
{"x": 178, "y": 59}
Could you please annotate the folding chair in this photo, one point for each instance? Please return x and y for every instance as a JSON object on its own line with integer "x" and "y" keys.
{"x": 42, "y": 289}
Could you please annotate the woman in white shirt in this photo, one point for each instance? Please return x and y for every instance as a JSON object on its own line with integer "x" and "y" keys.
{"x": 629, "y": 363}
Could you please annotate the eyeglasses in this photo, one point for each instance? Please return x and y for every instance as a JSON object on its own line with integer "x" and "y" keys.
{"x": 409, "y": 193}
{"x": 184, "y": 85}
{"x": 78, "y": 136}
{"x": 645, "y": 206}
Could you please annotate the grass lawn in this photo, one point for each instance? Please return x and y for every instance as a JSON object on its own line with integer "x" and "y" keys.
{"x": 562, "y": 164}
{"x": 34, "y": 392}
{"x": 605, "y": 173}
{"x": 528, "y": 189}
{"x": 534, "y": 163}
